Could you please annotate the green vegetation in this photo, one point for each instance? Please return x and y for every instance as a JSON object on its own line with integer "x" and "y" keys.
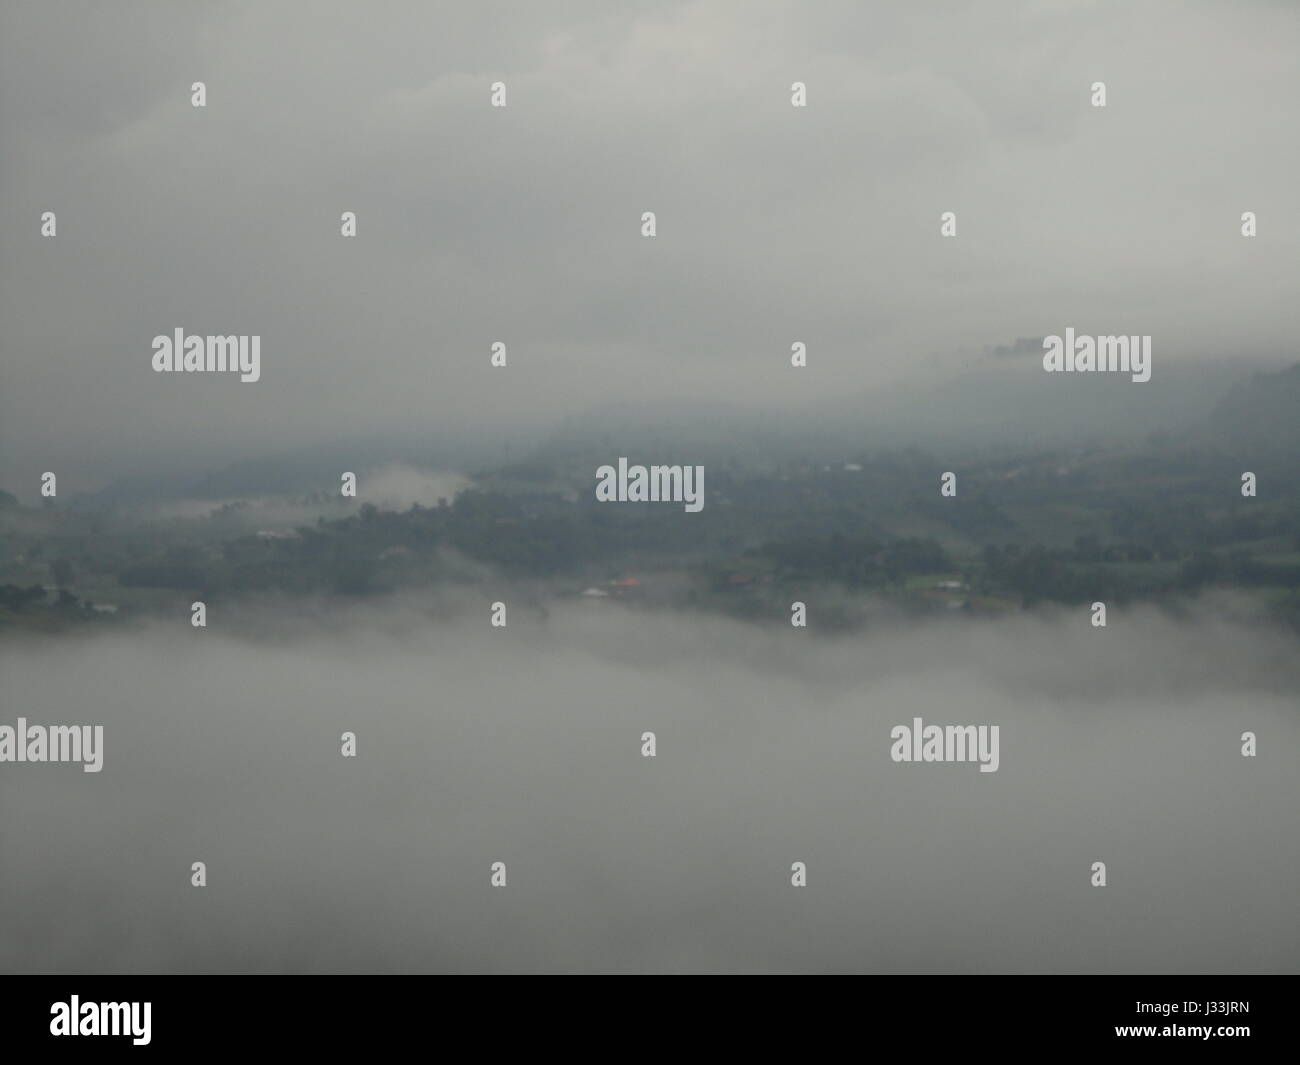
{"x": 1070, "y": 528}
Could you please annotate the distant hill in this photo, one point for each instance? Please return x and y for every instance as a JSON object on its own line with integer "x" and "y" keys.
{"x": 1261, "y": 415}
{"x": 1003, "y": 406}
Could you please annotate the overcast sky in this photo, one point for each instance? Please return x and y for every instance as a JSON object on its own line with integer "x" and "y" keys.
{"x": 522, "y": 225}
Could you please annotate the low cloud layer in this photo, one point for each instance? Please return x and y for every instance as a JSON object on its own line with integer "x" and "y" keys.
{"x": 522, "y": 224}
{"x": 523, "y": 745}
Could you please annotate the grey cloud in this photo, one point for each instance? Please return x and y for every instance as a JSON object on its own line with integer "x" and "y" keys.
{"x": 1020, "y": 348}
{"x": 522, "y": 225}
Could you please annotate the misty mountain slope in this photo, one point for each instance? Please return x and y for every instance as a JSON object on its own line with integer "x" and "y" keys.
{"x": 1003, "y": 407}
{"x": 1261, "y": 414}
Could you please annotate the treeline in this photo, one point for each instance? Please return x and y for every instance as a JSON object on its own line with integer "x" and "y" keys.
{"x": 861, "y": 561}
{"x": 1155, "y": 532}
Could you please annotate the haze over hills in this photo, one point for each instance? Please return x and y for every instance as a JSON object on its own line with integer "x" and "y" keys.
{"x": 996, "y": 409}
{"x": 1098, "y": 503}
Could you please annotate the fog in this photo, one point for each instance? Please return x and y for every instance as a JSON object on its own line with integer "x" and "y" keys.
{"x": 523, "y": 745}
{"x": 522, "y": 224}
{"x": 388, "y": 488}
